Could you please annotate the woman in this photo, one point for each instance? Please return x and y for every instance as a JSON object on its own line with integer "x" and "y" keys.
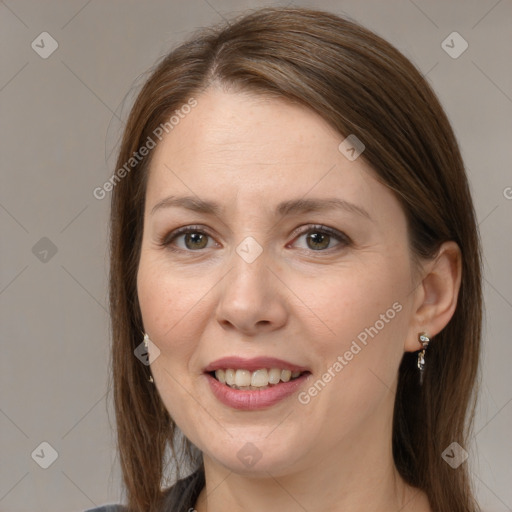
{"x": 295, "y": 253}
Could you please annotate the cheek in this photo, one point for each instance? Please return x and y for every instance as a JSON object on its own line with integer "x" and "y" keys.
{"x": 171, "y": 311}
{"x": 175, "y": 310}
{"x": 162, "y": 298}
{"x": 163, "y": 301}
{"x": 345, "y": 302}
{"x": 360, "y": 317}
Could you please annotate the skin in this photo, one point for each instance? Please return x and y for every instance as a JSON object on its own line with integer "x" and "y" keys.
{"x": 248, "y": 153}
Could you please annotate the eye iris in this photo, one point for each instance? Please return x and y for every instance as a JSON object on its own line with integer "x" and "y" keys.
{"x": 315, "y": 240}
{"x": 198, "y": 240}
{"x": 321, "y": 239}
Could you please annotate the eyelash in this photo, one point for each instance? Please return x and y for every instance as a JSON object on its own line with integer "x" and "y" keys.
{"x": 167, "y": 240}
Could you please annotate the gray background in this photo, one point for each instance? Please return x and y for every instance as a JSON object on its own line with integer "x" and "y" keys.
{"x": 61, "y": 119}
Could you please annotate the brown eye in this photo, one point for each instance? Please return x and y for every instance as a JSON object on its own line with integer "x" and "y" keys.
{"x": 321, "y": 238}
{"x": 187, "y": 239}
{"x": 195, "y": 240}
{"x": 318, "y": 241}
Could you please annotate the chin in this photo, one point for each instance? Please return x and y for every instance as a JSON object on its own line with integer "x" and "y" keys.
{"x": 258, "y": 459}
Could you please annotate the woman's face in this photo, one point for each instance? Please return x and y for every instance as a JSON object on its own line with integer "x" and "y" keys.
{"x": 303, "y": 257}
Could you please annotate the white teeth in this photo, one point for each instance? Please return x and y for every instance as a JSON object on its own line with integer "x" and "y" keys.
{"x": 221, "y": 376}
{"x": 286, "y": 375}
{"x": 230, "y": 377}
{"x": 242, "y": 378}
{"x": 259, "y": 379}
{"x": 274, "y": 376}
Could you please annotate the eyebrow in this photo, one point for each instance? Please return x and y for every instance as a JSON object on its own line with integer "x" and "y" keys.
{"x": 290, "y": 207}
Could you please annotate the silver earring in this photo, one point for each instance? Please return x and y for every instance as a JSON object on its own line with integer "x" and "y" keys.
{"x": 146, "y": 345}
{"x": 424, "y": 340}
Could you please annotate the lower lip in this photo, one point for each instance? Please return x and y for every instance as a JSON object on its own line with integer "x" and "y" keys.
{"x": 258, "y": 399}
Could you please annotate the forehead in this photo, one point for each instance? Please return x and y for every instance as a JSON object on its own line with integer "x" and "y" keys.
{"x": 249, "y": 147}
{"x": 249, "y": 129}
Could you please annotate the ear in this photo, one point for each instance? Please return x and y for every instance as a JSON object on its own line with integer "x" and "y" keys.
{"x": 435, "y": 295}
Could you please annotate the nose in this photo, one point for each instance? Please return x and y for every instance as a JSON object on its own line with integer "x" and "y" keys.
{"x": 252, "y": 299}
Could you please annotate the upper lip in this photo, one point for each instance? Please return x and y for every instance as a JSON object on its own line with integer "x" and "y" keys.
{"x": 253, "y": 364}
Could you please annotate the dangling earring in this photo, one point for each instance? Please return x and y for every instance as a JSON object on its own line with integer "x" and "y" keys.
{"x": 146, "y": 345}
{"x": 424, "y": 340}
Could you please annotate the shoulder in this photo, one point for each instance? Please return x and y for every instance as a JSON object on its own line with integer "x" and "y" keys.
{"x": 180, "y": 497}
{"x": 107, "y": 508}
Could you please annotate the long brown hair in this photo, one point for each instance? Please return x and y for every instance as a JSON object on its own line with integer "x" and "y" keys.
{"x": 361, "y": 85}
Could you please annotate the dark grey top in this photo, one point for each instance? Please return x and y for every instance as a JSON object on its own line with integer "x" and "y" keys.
{"x": 184, "y": 493}
{"x": 107, "y": 508}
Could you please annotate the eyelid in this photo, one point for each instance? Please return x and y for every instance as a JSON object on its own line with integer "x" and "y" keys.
{"x": 167, "y": 239}
{"x": 313, "y": 228}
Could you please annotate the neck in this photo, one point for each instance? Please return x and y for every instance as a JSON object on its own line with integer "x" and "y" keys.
{"x": 314, "y": 493}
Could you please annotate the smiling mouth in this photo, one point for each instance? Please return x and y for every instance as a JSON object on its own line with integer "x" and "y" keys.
{"x": 258, "y": 380}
